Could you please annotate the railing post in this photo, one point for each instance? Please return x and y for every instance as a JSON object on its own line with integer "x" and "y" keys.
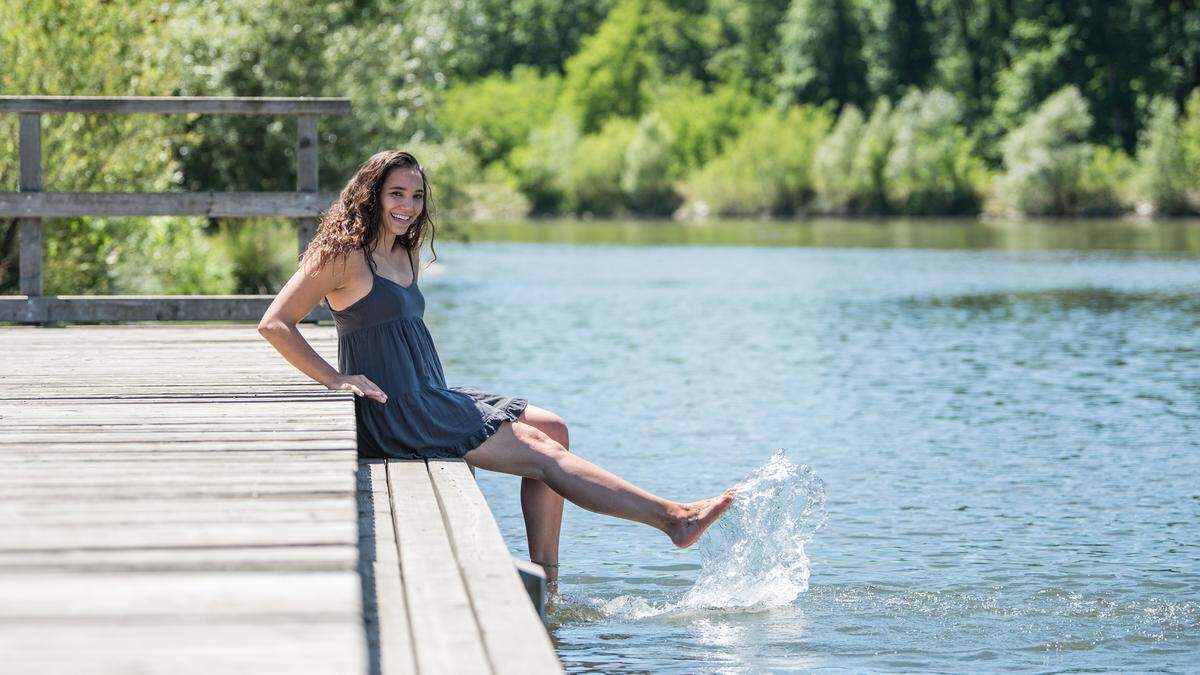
{"x": 30, "y": 228}
{"x": 306, "y": 173}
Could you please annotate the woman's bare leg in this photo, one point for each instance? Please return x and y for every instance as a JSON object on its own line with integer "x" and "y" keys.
{"x": 521, "y": 449}
{"x": 540, "y": 504}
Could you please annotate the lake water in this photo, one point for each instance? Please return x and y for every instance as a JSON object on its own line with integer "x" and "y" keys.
{"x": 1000, "y": 424}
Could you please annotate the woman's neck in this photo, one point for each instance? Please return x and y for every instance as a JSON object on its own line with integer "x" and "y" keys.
{"x": 384, "y": 246}
{"x": 385, "y": 243}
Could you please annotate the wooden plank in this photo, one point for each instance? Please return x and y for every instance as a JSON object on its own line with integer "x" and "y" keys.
{"x": 82, "y": 449}
{"x": 206, "y": 204}
{"x": 30, "y": 263}
{"x": 166, "y": 535}
{"x": 307, "y": 144}
{"x": 104, "y": 308}
{"x": 120, "y": 597}
{"x": 205, "y": 105}
{"x": 183, "y": 648}
{"x": 30, "y": 134}
{"x": 168, "y": 426}
{"x": 513, "y": 632}
{"x": 178, "y": 511}
{"x": 294, "y": 557}
{"x": 384, "y": 606}
{"x": 445, "y": 633}
{"x": 113, "y": 436}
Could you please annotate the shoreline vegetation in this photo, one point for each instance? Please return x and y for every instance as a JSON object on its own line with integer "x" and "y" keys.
{"x": 619, "y": 109}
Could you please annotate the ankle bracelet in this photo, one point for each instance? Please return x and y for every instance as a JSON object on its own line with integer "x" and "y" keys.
{"x": 538, "y": 562}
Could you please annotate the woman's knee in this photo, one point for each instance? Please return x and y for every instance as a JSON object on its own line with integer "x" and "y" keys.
{"x": 548, "y": 423}
{"x": 544, "y": 448}
{"x": 556, "y": 428}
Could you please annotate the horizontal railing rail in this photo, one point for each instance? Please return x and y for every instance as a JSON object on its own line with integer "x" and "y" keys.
{"x": 167, "y": 105}
{"x": 210, "y": 204}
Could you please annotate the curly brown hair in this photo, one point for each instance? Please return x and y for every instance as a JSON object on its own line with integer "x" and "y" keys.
{"x": 353, "y": 221}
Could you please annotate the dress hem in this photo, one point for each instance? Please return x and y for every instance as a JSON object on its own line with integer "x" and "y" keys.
{"x": 491, "y": 425}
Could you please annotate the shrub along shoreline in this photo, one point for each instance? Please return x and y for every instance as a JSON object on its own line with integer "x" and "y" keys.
{"x": 911, "y": 158}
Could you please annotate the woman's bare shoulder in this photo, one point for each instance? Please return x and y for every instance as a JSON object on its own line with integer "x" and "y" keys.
{"x": 350, "y": 278}
{"x": 339, "y": 269}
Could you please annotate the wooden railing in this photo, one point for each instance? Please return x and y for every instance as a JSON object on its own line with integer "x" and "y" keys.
{"x": 31, "y": 204}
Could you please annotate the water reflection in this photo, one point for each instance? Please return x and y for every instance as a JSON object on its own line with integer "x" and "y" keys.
{"x": 1097, "y": 300}
{"x": 1180, "y": 236}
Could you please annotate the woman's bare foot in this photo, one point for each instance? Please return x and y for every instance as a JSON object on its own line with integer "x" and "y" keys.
{"x": 691, "y": 520}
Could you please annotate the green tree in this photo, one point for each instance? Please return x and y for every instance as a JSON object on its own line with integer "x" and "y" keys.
{"x": 592, "y": 181}
{"x": 463, "y": 41}
{"x": 1033, "y": 75}
{"x": 127, "y": 53}
{"x": 972, "y": 42}
{"x": 747, "y": 55}
{"x": 1046, "y": 159}
{"x": 496, "y": 114}
{"x": 619, "y": 66}
{"x": 870, "y": 160}
{"x": 833, "y": 164}
{"x": 767, "y": 170}
{"x": 931, "y": 168}
{"x": 646, "y": 178}
{"x": 701, "y": 122}
{"x": 247, "y": 48}
{"x": 1191, "y": 133}
{"x": 541, "y": 166}
{"x": 897, "y": 46}
{"x": 1166, "y": 180}
{"x": 821, "y": 53}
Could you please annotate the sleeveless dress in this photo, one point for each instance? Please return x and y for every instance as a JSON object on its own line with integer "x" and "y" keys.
{"x": 383, "y": 336}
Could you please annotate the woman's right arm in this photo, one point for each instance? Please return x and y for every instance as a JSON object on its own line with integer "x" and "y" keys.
{"x": 279, "y": 326}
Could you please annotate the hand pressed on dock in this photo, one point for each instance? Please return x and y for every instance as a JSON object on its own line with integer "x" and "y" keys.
{"x": 359, "y": 384}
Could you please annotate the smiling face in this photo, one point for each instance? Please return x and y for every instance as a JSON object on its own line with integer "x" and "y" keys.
{"x": 402, "y": 199}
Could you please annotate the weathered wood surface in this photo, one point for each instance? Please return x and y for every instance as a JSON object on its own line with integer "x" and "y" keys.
{"x": 108, "y": 308}
{"x": 436, "y": 552}
{"x": 307, "y": 175}
{"x": 207, "y": 204}
{"x": 508, "y": 623}
{"x": 207, "y": 105}
{"x": 30, "y": 180}
{"x": 180, "y": 499}
{"x": 159, "y": 511}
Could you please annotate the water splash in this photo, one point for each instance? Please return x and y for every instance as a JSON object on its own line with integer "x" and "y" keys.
{"x": 754, "y": 555}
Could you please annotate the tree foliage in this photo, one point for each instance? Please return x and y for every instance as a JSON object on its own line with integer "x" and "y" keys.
{"x": 572, "y": 106}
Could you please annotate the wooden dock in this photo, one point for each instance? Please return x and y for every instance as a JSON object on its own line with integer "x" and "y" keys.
{"x": 180, "y": 499}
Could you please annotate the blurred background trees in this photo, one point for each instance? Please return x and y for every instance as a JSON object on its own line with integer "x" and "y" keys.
{"x": 617, "y": 107}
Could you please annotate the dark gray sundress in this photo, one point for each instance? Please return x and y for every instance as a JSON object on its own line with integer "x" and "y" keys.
{"x": 383, "y": 336}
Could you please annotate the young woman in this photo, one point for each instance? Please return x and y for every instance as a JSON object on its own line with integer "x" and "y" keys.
{"x": 363, "y": 261}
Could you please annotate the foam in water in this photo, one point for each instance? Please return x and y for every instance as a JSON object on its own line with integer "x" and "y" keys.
{"x": 753, "y": 556}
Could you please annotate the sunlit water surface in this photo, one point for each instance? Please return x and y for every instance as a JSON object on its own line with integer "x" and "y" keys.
{"x": 990, "y": 437}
